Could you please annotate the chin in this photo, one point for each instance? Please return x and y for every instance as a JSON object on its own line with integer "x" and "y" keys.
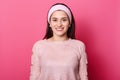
{"x": 60, "y": 34}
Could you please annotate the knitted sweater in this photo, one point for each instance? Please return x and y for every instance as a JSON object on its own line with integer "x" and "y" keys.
{"x": 59, "y": 60}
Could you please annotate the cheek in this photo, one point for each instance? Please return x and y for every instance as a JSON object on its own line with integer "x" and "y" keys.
{"x": 66, "y": 25}
{"x": 51, "y": 25}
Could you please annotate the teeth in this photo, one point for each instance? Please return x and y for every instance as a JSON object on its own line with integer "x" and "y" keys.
{"x": 59, "y": 29}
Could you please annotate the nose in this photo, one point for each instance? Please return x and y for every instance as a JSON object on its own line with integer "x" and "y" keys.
{"x": 59, "y": 23}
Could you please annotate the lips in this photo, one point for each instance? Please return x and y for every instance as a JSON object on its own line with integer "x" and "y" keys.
{"x": 59, "y": 29}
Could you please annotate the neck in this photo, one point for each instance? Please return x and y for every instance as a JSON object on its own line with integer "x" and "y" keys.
{"x": 56, "y": 38}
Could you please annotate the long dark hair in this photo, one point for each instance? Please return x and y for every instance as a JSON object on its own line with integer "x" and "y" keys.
{"x": 71, "y": 29}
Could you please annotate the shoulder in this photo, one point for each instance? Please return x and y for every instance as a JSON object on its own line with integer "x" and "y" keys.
{"x": 78, "y": 42}
{"x": 37, "y": 45}
{"x": 80, "y": 47}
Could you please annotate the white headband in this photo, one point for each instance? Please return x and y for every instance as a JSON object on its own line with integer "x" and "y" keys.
{"x": 59, "y": 7}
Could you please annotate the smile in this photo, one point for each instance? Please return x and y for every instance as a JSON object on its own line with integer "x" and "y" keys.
{"x": 59, "y": 29}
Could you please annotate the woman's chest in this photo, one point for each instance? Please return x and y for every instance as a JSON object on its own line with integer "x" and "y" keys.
{"x": 64, "y": 56}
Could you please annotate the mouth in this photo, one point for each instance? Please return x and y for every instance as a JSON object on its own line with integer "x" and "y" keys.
{"x": 59, "y": 29}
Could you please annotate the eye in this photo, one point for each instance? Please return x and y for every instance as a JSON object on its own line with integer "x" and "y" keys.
{"x": 54, "y": 20}
{"x": 64, "y": 19}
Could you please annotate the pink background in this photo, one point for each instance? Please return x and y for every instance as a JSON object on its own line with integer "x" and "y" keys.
{"x": 22, "y": 22}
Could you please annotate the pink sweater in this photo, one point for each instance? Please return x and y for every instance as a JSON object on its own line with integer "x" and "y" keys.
{"x": 60, "y": 60}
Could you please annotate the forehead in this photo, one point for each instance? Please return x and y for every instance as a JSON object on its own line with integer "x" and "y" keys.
{"x": 59, "y": 13}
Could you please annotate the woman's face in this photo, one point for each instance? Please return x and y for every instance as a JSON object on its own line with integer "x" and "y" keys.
{"x": 59, "y": 23}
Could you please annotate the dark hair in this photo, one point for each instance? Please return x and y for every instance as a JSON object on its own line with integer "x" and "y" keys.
{"x": 71, "y": 29}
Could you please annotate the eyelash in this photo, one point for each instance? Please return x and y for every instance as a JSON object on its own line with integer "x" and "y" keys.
{"x": 62, "y": 20}
{"x": 54, "y": 20}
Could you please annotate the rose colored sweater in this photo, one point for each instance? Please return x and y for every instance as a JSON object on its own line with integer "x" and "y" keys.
{"x": 59, "y": 60}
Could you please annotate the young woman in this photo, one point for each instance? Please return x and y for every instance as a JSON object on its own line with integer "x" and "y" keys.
{"x": 59, "y": 56}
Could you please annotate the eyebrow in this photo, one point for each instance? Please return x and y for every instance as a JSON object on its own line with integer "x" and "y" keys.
{"x": 56, "y": 17}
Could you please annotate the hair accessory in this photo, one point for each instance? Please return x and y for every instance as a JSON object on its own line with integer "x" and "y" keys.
{"x": 59, "y": 7}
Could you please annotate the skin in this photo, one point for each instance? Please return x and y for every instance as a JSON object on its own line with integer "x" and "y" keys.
{"x": 59, "y": 23}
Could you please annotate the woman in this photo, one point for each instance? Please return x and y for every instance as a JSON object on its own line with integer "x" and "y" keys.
{"x": 59, "y": 56}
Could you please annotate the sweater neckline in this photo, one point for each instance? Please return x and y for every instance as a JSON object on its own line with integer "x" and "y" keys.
{"x": 57, "y": 42}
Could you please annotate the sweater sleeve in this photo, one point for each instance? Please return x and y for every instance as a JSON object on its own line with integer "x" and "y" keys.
{"x": 83, "y": 64}
{"x": 35, "y": 63}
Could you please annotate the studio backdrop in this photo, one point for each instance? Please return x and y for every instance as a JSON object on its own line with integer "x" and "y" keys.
{"x": 23, "y": 22}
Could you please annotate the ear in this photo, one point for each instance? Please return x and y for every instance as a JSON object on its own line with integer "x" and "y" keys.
{"x": 69, "y": 25}
{"x": 49, "y": 24}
